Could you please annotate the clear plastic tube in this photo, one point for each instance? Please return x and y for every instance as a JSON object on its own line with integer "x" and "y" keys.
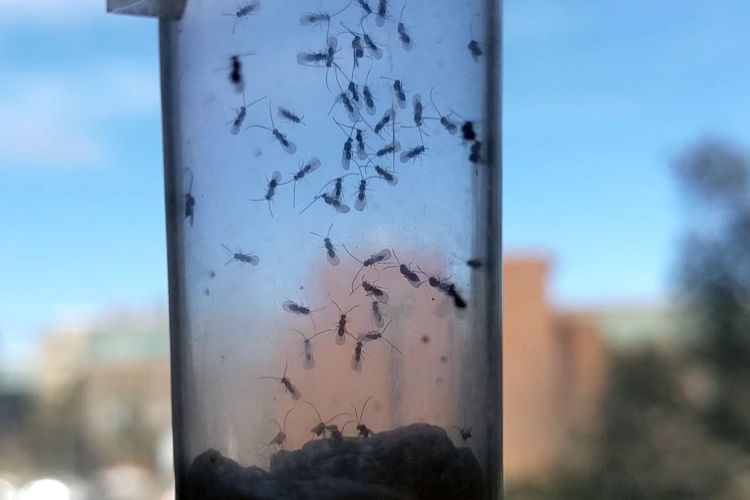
{"x": 332, "y": 174}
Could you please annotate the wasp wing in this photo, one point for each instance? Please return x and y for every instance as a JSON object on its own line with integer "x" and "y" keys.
{"x": 290, "y": 306}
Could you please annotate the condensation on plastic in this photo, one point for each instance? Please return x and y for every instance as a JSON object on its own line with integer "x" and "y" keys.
{"x": 165, "y": 9}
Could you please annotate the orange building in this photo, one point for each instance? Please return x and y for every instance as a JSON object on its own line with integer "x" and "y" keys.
{"x": 553, "y": 374}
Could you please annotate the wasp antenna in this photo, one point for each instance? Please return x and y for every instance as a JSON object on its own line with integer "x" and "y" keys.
{"x": 385, "y": 327}
{"x": 351, "y": 78}
{"x": 350, "y": 254}
{"x": 338, "y": 415}
{"x": 337, "y": 306}
{"x": 420, "y": 270}
{"x": 192, "y": 177}
{"x": 309, "y": 204}
{"x": 255, "y": 101}
{"x": 360, "y": 172}
{"x": 352, "y": 336}
{"x": 286, "y": 415}
{"x": 302, "y": 334}
{"x": 433, "y": 102}
{"x": 333, "y": 106}
{"x": 362, "y": 413}
{"x": 270, "y": 113}
{"x": 340, "y": 11}
{"x": 258, "y": 126}
{"x": 318, "y": 333}
{"x": 356, "y": 415}
{"x": 320, "y": 419}
{"x": 347, "y": 29}
{"x": 345, "y": 424}
{"x": 391, "y": 344}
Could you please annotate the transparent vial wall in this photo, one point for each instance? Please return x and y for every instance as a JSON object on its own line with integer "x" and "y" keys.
{"x": 332, "y": 190}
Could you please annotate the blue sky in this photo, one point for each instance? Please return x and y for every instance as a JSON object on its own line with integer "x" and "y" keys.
{"x": 598, "y": 99}
{"x": 80, "y": 165}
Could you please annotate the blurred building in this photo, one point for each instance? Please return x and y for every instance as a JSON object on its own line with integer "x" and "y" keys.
{"x": 15, "y": 409}
{"x": 100, "y": 396}
{"x": 553, "y": 373}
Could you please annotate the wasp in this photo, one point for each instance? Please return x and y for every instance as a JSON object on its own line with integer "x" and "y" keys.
{"x": 280, "y": 438}
{"x": 288, "y": 385}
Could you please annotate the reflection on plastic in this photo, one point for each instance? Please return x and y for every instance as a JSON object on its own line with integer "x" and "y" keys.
{"x": 7, "y": 490}
{"x": 45, "y": 489}
{"x": 169, "y": 9}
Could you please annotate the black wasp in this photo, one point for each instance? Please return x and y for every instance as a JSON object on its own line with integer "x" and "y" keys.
{"x": 236, "y": 76}
{"x": 289, "y": 115}
{"x": 404, "y": 37}
{"x": 312, "y": 165}
{"x": 467, "y": 130}
{"x": 281, "y": 138}
{"x": 412, "y": 153}
{"x": 241, "y": 257}
{"x": 243, "y": 11}
{"x": 446, "y": 122}
{"x": 288, "y": 385}
{"x": 271, "y": 190}
{"x": 333, "y": 258}
{"x": 411, "y": 276}
{"x": 398, "y": 91}
{"x": 372, "y": 260}
{"x": 189, "y": 199}
{"x": 386, "y": 175}
{"x": 239, "y": 119}
{"x": 299, "y": 309}
{"x": 341, "y": 330}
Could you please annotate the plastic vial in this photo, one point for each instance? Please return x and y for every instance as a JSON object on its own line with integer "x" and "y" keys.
{"x": 333, "y": 189}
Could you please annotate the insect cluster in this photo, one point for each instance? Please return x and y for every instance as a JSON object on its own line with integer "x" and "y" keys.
{"x": 376, "y": 296}
{"x": 376, "y": 121}
{"x": 376, "y": 118}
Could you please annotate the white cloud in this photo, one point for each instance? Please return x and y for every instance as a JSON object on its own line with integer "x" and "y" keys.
{"x": 57, "y": 120}
{"x": 45, "y": 142}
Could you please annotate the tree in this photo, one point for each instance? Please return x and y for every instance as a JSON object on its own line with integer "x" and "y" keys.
{"x": 715, "y": 279}
{"x": 660, "y": 437}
